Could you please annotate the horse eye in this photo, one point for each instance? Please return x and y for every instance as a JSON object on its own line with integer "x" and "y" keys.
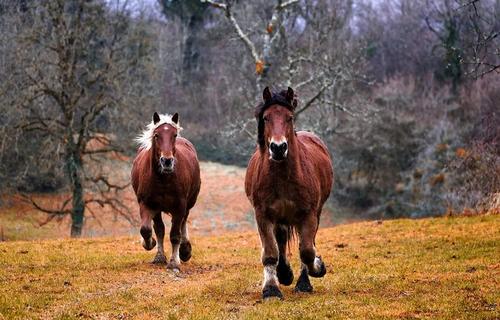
{"x": 175, "y": 135}
{"x": 155, "y": 136}
{"x": 266, "y": 119}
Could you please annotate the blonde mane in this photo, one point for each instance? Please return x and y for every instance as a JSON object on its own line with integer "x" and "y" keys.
{"x": 145, "y": 138}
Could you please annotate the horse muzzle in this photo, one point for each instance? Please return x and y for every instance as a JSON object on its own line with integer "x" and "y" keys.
{"x": 167, "y": 165}
{"x": 278, "y": 151}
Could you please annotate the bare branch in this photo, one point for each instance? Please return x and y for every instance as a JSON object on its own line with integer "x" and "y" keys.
{"x": 246, "y": 40}
{"x": 287, "y": 4}
{"x": 53, "y": 212}
{"x": 314, "y": 98}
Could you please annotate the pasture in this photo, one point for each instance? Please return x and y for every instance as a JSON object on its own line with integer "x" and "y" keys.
{"x": 374, "y": 121}
{"x": 411, "y": 269}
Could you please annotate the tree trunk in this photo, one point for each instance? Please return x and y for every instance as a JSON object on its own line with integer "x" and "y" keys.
{"x": 191, "y": 52}
{"x": 74, "y": 164}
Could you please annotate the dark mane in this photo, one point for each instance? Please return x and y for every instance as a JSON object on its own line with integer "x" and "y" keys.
{"x": 279, "y": 98}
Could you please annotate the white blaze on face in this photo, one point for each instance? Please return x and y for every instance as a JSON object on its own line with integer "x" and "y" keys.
{"x": 167, "y": 155}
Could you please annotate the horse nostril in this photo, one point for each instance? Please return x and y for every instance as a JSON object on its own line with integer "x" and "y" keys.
{"x": 278, "y": 148}
{"x": 168, "y": 162}
{"x": 274, "y": 147}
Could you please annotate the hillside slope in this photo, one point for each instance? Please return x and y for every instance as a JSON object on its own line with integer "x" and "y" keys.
{"x": 431, "y": 268}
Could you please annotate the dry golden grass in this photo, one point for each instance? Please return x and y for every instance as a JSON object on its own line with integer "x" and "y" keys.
{"x": 446, "y": 268}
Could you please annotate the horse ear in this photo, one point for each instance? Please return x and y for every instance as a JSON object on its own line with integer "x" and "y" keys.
{"x": 289, "y": 95}
{"x": 156, "y": 118}
{"x": 267, "y": 94}
{"x": 175, "y": 118}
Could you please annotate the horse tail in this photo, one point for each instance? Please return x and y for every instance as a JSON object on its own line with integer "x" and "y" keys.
{"x": 286, "y": 235}
{"x": 291, "y": 236}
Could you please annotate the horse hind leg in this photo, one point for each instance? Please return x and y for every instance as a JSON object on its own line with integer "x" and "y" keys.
{"x": 159, "y": 228}
{"x": 185, "y": 247}
{"x": 284, "y": 271}
{"x": 148, "y": 242}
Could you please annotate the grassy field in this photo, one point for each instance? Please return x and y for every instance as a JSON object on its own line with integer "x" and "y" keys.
{"x": 446, "y": 268}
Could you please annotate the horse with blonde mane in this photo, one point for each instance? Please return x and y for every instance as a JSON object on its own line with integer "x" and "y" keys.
{"x": 166, "y": 178}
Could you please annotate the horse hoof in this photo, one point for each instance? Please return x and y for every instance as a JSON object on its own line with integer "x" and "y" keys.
{"x": 185, "y": 251}
{"x": 285, "y": 274}
{"x": 159, "y": 259}
{"x": 149, "y": 246}
{"x": 271, "y": 292}
{"x": 319, "y": 268}
{"x": 303, "y": 284}
{"x": 173, "y": 266}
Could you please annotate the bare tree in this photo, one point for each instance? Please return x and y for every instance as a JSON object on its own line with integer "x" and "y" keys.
{"x": 70, "y": 66}
{"x": 297, "y": 47}
{"x": 263, "y": 56}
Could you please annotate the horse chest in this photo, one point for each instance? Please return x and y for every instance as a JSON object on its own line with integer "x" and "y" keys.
{"x": 162, "y": 197}
{"x": 282, "y": 208}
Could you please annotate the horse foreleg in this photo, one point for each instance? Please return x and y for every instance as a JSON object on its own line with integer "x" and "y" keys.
{"x": 185, "y": 248}
{"x": 175, "y": 240}
{"x": 148, "y": 242}
{"x": 269, "y": 258}
{"x": 312, "y": 265}
{"x": 285, "y": 273}
{"x": 159, "y": 227}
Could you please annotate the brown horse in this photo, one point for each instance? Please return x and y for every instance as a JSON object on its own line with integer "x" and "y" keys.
{"x": 288, "y": 180}
{"x": 166, "y": 178}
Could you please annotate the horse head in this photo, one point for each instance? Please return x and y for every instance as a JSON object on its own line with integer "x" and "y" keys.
{"x": 163, "y": 141}
{"x": 275, "y": 123}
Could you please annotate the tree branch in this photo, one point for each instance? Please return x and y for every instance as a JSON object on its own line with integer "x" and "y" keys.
{"x": 314, "y": 98}
{"x": 246, "y": 40}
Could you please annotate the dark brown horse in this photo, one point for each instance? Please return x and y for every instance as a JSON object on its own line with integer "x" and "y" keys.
{"x": 166, "y": 178}
{"x": 288, "y": 180}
